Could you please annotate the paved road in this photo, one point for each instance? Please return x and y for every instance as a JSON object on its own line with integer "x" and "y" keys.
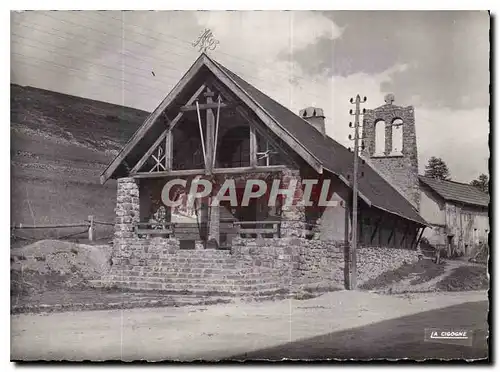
{"x": 326, "y": 326}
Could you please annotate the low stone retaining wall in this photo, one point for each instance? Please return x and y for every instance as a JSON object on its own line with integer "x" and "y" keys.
{"x": 295, "y": 263}
{"x": 253, "y": 267}
{"x": 373, "y": 261}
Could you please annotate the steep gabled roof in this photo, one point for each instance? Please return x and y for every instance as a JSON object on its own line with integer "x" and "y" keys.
{"x": 333, "y": 156}
{"x": 457, "y": 192}
{"x": 143, "y": 138}
{"x": 318, "y": 150}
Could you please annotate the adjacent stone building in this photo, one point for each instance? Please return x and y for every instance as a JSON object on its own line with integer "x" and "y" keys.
{"x": 214, "y": 126}
{"x": 457, "y": 214}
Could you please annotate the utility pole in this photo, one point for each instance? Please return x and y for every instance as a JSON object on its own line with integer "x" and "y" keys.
{"x": 354, "y": 236}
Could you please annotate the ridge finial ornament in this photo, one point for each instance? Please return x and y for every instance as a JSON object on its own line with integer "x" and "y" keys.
{"x": 389, "y": 98}
{"x": 206, "y": 41}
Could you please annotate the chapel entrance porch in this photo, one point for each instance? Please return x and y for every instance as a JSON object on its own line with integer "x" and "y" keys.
{"x": 200, "y": 224}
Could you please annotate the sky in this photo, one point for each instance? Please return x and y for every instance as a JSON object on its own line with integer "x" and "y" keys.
{"x": 436, "y": 61}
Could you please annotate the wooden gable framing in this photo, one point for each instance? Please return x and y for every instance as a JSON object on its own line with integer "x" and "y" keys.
{"x": 161, "y": 149}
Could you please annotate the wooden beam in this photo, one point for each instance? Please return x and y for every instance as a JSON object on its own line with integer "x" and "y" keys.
{"x": 168, "y": 150}
{"x": 196, "y": 172}
{"x": 253, "y": 147}
{"x": 264, "y": 116}
{"x": 269, "y": 222}
{"x": 148, "y": 153}
{"x": 150, "y": 120}
{"x": 190, "y": 101}
{"x": 209, "y": 134}
{"x": 375, "y": 231}
{"x": 171, "y": 126}
{"x": 258, "y": 126}
{"x": 258, "y": 169}
{"x": 258, "y": 129}
{"x": 390, "y": 237}
{"x": 414, "y": 238}
{"x": 206, "y": 106}
{"x": 171, "y": 173}
{"x": 420, "y": 237}
{"x": 404, "y": 234}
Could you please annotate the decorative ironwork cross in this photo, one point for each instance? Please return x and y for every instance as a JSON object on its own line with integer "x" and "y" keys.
{"x": 206, "y": 41}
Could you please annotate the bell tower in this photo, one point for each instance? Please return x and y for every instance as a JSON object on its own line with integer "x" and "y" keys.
{"x": 391, "y": 146}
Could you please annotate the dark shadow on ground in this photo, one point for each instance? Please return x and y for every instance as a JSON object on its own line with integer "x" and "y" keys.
{"x": 392, "y": 339}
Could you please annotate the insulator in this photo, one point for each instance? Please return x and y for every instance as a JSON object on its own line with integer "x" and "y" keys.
{"x": 350, "y": 150}
{"x": 350, "y": 124}
{"x": 350, "y": 137}
{"x": 351, "y": 100}
{"x": 364, "y": 99}
{"x": 348, "y": 176}
{"x": 363, "y": 162}
{"x": 350, "y": 111}
{"x": 364, "y": 110}
{"x": 362, "y": 174}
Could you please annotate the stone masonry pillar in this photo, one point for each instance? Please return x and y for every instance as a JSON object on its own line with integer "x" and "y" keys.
{"x": 293, "y": 216}
{"x": 214, "y": 223}
{"x": 127, "y": 208}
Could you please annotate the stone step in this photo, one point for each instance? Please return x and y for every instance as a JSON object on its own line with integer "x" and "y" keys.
{"x": 192, "y": 270}
{"x": 193, "y": 279}
{"x": 161, "y": 270}
{"x": 226, "y": 264}
{"x": 181, "y": 254}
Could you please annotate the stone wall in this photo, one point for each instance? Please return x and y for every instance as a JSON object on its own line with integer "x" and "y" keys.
{"x": 373, "y": 261}
{"x": 160, "y": 264}
{"x": 252, "y": 267}
{"x": 296, "y": 263}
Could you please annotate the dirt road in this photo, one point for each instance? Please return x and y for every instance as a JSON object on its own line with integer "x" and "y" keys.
{"x": 213, "y": 332}
{"x": 392, "y": 339}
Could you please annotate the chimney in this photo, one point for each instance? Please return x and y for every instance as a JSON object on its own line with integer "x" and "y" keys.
{"x": 315, "y": 117}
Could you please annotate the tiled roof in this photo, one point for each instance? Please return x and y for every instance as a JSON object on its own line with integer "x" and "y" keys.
{"x": 456, "y": 191}
{"x": 334, "y": 157}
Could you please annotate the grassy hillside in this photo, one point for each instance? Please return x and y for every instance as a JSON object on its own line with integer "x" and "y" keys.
{"x": 60, "y": 144}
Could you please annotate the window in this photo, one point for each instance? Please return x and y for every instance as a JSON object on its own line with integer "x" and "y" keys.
{"x": 379, "y": 138}
{"x": 266, "y": 154}
{"x": 397, "y": 137}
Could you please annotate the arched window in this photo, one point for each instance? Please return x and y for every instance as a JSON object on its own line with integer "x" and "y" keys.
{"x": 379, "y": 138}
{"x": 397, "y": 137}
